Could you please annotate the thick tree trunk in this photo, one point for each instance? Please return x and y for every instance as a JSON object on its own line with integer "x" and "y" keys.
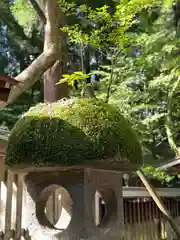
{"x": 49, "y": 56}
{"x": 53, "y": 92}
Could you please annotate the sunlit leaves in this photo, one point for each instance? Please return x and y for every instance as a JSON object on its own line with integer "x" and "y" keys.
{"x": 24, "y": 14}
{"x": 72, "y": 79}
{"x": 161, "y": 176}
{"x": 162, "y": 81}
{"x": 77, "y": 36}
{"x": 147, "y": 70}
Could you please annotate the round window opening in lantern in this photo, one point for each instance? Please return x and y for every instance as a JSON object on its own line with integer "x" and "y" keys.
{"x": 104, "y": 208}
{"x": 54, "y": 208}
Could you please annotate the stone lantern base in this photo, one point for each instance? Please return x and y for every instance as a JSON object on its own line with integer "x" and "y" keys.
{"x": 78, "y": 190}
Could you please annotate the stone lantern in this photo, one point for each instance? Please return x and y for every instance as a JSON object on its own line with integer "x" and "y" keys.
{"x": 79, "y": 149}
{"x": 5, "y": 87}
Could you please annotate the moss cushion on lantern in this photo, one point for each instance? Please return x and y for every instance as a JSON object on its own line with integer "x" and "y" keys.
{"x": 74, "y": 131}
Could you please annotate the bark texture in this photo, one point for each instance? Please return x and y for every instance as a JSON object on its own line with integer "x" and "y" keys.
{"x": 49, "y": 56}
{"x": 53, "y": 92}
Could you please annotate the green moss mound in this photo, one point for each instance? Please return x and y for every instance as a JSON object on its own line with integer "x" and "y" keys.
{"x": 74, "y": 131}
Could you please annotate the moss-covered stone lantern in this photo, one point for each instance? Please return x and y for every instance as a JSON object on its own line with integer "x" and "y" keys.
{"x": 86, "y": 145}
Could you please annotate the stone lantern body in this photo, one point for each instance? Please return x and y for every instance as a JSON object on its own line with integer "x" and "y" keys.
{"x": 78, "y": 150}
{"x": 77, "y": 187}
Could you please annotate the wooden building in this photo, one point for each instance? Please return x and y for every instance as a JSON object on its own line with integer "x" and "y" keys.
{"x": 172, "y": 166}
{"x": 3, "y": 143}
{"x": 6, "y": 83}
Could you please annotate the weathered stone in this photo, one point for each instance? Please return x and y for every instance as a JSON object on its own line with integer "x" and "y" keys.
{"x": 81, "y": 185}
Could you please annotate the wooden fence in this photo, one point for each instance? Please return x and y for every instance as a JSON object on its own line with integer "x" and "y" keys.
{"x": 142, "y": 219}
{"x": 11, "y": 207}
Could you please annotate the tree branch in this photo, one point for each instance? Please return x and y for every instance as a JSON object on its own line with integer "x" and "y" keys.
{"x": 169, "y": 123}
{"x": 113, "y": 62}
{"x": 38, "y": 10}
{"x": 50, "y": 54}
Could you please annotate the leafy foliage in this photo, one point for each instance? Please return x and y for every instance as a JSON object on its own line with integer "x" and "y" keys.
{"x": 161, "y": 178}
{"x": 143, "y": 78}
{"x": 24, "y": 14}
{"x": 71, "y": 79}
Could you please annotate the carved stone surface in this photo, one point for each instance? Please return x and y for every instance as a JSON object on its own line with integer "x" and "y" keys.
{"x": 109, "y": 184}
{"x": 81, "y": 185}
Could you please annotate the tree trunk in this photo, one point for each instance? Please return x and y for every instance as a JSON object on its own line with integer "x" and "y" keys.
{"x": 49, "y": 56}
{"x": 159, "y": 203}
{"x": 53, "y": 92}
